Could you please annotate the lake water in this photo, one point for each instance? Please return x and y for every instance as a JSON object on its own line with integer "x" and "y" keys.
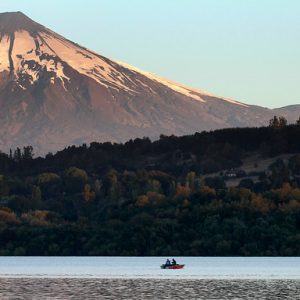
{"x": 142, "y": 278}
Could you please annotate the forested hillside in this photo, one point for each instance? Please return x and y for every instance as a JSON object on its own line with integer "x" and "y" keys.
{"x": 155, "y": 198}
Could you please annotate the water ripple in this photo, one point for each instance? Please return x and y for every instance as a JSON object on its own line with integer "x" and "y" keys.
{"x": 74, "y": 288}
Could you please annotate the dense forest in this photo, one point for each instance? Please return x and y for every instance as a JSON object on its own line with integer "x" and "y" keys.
{"x": 148, "y": 197}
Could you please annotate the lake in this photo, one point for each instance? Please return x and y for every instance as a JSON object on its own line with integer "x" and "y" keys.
{"x": 142, "y": 278}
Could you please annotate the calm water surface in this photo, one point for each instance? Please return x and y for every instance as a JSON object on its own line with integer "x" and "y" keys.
{"x": 141, "y": 278}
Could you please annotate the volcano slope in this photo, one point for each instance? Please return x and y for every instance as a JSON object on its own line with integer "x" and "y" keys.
{"x": 54, "y": 93}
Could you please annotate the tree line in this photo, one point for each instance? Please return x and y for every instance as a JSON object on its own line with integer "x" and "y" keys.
{"x": 148, "y": 197}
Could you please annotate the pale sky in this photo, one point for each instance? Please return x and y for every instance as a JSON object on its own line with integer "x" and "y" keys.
{"x": 248, "y": 50}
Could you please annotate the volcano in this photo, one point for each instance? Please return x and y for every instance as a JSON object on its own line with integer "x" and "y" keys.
{"x": 55, "y": 93}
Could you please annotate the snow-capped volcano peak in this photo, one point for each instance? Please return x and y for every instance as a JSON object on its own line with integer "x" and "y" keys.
{"x": 33, "y": 49}
{"x": 28, "y": 50}
{"x": 23, "y": 52}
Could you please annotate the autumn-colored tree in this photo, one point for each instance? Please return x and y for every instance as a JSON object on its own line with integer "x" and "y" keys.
{"x": 36, "y": 217}
{"x": 87, "y": 194}
{"x": 292, "y": 205}
{"x": 155, "y": 197}
{"x": 261, "y": 204}
{"x": 142, "y": 200}
{"x": 182, "y": 191}
{"x": 287, "y": 193}
{"x": 7, "y": 216}
{"x": 206, "y": 190}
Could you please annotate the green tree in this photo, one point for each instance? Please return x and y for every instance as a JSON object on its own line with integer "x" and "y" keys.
{"x": 190, "y": 180}
{"x": 27, "y": 153}
{"x": 47, "y": 178}
{"x": 75, "y": 179}
{"x": 114, "y": 191}
{"x": 74, "y": 172}
{"x": 36, "y": 196}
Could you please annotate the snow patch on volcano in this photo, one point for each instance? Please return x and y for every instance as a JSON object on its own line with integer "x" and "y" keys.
{"x": 87, "y": 63}
{"x": 4, "y": 50}
{"x": 31, "y": 57}
{"x": 182, "y": 89}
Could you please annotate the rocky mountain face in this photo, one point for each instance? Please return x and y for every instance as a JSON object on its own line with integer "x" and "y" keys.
{"x": 54, "y": 93}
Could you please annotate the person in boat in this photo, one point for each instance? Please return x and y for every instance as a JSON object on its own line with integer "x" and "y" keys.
{"x": 174, "y": 263}
{"x": 168, "y": 263}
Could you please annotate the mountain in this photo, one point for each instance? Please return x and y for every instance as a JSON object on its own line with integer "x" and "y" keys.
{"x": 54, "y": 92}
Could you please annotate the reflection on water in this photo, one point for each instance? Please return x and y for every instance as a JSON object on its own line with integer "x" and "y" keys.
{"x": 71, "y": 288}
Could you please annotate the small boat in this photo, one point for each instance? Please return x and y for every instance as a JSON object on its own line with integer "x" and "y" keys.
{"x": 174, "y": 267}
